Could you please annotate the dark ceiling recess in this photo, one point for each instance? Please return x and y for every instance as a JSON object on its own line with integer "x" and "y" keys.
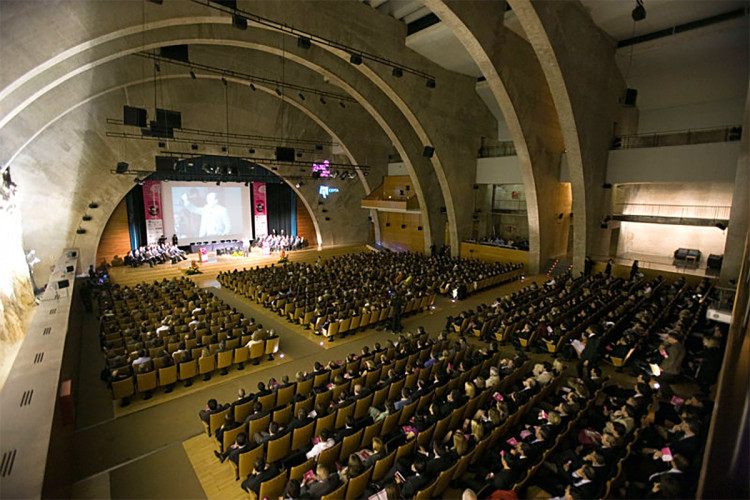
{"x": 175, "y": 52}
{"x": 421, "y": 23}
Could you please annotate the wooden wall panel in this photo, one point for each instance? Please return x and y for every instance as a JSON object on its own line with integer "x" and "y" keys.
{"x": 394, "y": 184}
{"x": 305, "y": 226}
{"x": 394, "y": 237}
{"x": 115, "y": 237}
{"x": 494, "y": 254}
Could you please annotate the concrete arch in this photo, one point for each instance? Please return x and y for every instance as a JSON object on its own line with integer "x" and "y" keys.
{"x": 585, "y": 92}
{"x": 269, "y": 48}
{"x": 512, "y": 72}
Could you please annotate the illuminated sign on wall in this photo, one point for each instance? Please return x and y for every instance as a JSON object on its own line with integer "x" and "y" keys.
{"x": 321, "y": 169}
{"x": 325, "y": 191}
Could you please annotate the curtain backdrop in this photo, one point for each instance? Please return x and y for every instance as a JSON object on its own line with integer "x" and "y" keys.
{"x": 136, "y": 217}
{"x": 279, "y": 200}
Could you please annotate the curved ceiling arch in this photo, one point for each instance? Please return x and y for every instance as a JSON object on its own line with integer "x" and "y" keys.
{"x": 387, "y": 90}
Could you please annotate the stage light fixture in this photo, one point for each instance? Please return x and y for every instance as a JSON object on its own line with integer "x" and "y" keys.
{"x": 721, "y": 226}
{"x": 322, "y": 101}
{"x": 239, "y": 22}
{"x": 80, "y": 231}
{"x": 194, "y": 147}
{"x": 192, "y": 74}
{"x": 252, "y": 87}
{"x": 302, "y": 96}
{"x": 298, "y": 185}
{"x": 355, "y": 59}
{"x": 341, "y": 103}
{"x": 278, "y": 91}
{"x": 162, "y": 144}
{"x": 93, "y": 204}
{"x": 218, "y": 183}
{"x": 303, "y": 42}
{"x": 251, "y": 151}
{"x": 223, "y": 149}
{"x": 430, "y": 83}
{"x": 86, "y": 218}
{"x": 157, "y": 67}
{"x": 397, "y": 72}
{"x": 224, "y": 81}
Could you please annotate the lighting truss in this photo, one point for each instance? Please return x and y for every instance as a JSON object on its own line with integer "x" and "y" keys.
{"x": 181, "y": 155}
{"x": 290, "y": 30}
{"x": 276, "y": 84}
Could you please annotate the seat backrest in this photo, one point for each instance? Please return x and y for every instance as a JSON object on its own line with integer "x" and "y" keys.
{"x": 329, "y": 456}
{"x": 283, "y": 415}
{"x": 406, "y": 449}
{"x": 338, "y": 389}
{"x": 395, "y": 390}
{"x": 362, "y": 406}
{"x": 306, "y": 404}
{"x": 285, "y": 395}
{"x": 215, "y": 420}
{"x": 407, "y": 412}
{"x": 259, "y": 424}
{"x": 390, "y": 423}
{"x": 274, "y": 487}
{"x": 268, "y": 401}
{"x": 336, "y": 494}
{"x": 350, "y": 444}
{"x": 123, "y": 388}
{"x": 247, "y": 461}
{"x": 278, "y": 448}
{"x": 257, "y": 350}
{"x": 371, "y": 431}
{"x": 357, "y": 485}
{"x": 298, "y": 471}
{"x": 168, "y": 375}
{"x": 304, "y": 387}
{"x": 382, "y": 466}
{"x": 146, "y": 381}
{"x": 207, "y": 364}
{"x": 225, "y": 359}
{"x": 241, "y": 411}
{"x": 272, "y": 345}
{"x": 228, "y": 437}
{"x": 342, "y": 414}
{"x": 443, "y": 479}
{"x": 241, "y": 354}
{"x": 321, "y": 379}
{"x": 302, "y": 436}
{"x": 380, "y": 396}
{"x": 324, "y": 423}
{"x": 426, "y": 493}
{"x": 188, "y": 369}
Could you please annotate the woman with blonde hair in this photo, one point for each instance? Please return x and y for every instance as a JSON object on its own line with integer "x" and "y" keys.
{"x": 460, "y": 446}
{"x": 470, "y": 390}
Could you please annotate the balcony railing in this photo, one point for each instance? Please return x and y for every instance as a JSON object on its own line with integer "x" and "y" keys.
{"x": 713, "y": 212}
{"x": 494, "y": 149}
{"x": 678, "y": 138}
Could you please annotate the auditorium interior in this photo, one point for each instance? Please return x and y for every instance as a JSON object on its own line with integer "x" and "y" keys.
{"x": 462, "y": 248}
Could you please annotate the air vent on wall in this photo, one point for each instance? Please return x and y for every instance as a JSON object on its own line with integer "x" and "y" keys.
{"x": 47, "y": 330}
{"x": 38, "y": 357}
{"x": 53, "y": 311}
{"x": 26, "y": 398}
{"x": 6, "y": 465}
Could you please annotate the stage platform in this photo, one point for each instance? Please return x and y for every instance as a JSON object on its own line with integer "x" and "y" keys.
{"x": 657, "y": 264}
{"x": 124, "y": 275}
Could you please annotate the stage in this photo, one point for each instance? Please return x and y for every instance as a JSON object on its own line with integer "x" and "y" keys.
{"x": 124, "y": 275}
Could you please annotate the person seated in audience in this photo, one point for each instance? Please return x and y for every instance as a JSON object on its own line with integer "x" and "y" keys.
{"x": 354, "y": 467}
{"x": 323, "y": 442}
{"x": 292, "y": 490}
{"x": 228, "y": 425}
{"x": 234, "y": 450}
{"x": 378, "y": 451}
{"x": 242, "y": 397}
{"x": 257, "y": 412}
{"x": 348, "y": 430}
{"x": 274, "y": 431}
{"x": 416, "y": 480}
{"x": 211, "y": 407}
{"x": 261, "y": 472}
{"x": 322, "y": 483}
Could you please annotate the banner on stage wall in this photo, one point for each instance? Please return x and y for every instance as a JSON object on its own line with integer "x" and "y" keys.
{"x": 259, "y": 209}
{"x": 153, "y": 208}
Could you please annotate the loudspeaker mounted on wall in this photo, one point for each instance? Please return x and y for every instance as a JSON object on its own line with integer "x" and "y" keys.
{"x": 403, "y": 226}
{"x": 387, "y": 224}
{"x": 419, "y": 228}
{"x": 328, "y": 218}
{"x": 80, "y": 231}
{"x": 607, "y": 185}
{"x": 476, "y": 186}
{"x": 428, "y": 151}
{"x": 122, "y": 167}
{"x": 86, "y": 218}
{"x": 629, "y": 98}
{"x": 443, "y": 210}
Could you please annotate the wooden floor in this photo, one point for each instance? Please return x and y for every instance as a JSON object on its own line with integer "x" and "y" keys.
{"x": 217, "y": 479}
{"x": 131, "y": 276}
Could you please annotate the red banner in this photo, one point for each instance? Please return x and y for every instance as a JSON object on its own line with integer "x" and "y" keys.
{"x": 259, "y": 209}
{"x": 152, "y": 206}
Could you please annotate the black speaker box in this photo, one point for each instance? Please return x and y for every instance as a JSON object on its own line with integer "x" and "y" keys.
{"x": 166, "y": 118}
{"x": 122, "y": 167}
{"x": 165, "y": 164}
{"x": 284, "y": 154}
{"x": 428, "y": 151}
{"x": 714, "y": 261}
{"x": 630, "y": 97}
{"x": 135, "y": 117}
{"x": 176, "y": 52}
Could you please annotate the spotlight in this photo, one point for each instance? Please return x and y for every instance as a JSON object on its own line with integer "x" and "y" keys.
{"x": 278, "y": 91}
{"x": 639, "y": 13}
{"x": 247, "y": 184}
{"x": 223, "y": 149}
{"x": 322, "y": 101}
{"x": 355, "y": 59}
{"x": 162, "y": 144}
{"x": 194, "y": 147}
{"x": 430, "y": 83}
{"x": 192, "y": 74}
{"x": 251, "y": 151}
{"x": 335, "y": 174}
{"x": 302, "y": 96}
{"x": 157, "y": 67}
{"x": 299, "y": 155}
{"x": 397, "y": 72}
{"x": 93, "y": 204}
{"x": 252, "y": 87}
{"x": 224, "y": 81}
{"x": 303, "y": 42}
{"x": 341, "y": 103}
{"x": 721, "y": 226}
{"x": 218, "y": 183}
{"x": 298, "y": 185}
{"x": 318, "y": 147}
{"x": 80, "y": 231}
{"x": 86, "y": 218}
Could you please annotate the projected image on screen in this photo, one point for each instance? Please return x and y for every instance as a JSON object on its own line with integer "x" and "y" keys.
{"x": 206, "y": 211}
